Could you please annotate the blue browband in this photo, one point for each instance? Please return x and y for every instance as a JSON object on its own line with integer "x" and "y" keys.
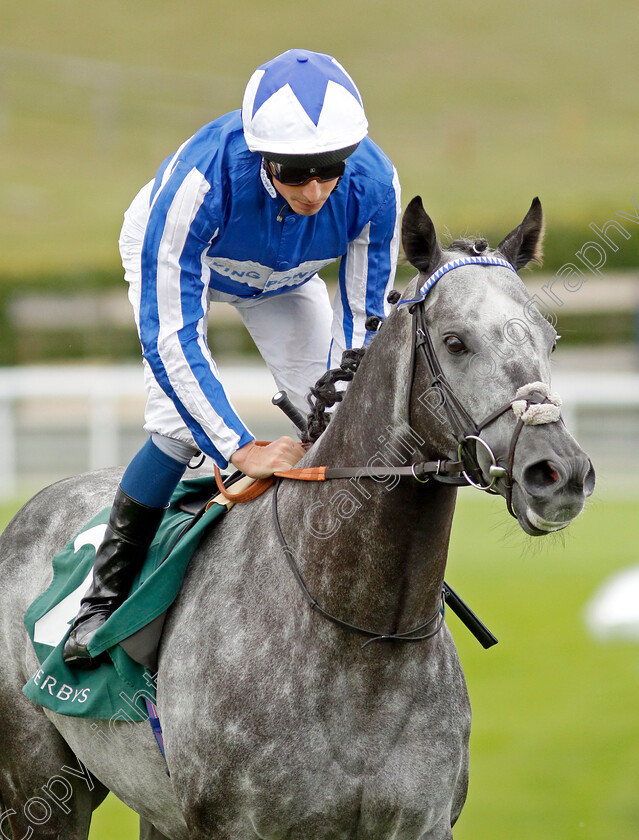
{"x": 460, "y": 262}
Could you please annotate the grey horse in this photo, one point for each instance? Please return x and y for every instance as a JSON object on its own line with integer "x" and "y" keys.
{"x": 278, "y": 723}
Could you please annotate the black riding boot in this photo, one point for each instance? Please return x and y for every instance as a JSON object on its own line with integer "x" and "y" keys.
{"x": 129, "y": 534}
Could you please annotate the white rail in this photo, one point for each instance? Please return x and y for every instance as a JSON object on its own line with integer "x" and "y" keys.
{"x": 95, "y": 395}
{"x": 599, "y": 389}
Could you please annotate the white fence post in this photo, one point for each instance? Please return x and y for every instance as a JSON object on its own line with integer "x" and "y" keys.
{"x": 95, "y": 391}
{"x": 103, "y": 432}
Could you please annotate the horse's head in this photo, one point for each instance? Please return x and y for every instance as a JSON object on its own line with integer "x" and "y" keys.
{"x": 483, "y": 361}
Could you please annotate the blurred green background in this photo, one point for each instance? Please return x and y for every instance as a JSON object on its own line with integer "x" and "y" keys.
{"x": 481, "y": 107}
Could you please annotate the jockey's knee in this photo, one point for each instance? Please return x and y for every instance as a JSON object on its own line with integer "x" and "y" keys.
{"x": 176, "y": 449}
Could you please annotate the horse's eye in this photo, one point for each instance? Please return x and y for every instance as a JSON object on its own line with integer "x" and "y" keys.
{"x": 554, "y": 345}
{"x": 454, "y": 344}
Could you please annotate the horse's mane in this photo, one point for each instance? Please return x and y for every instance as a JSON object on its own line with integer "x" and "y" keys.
{"x": 324, "y": 394}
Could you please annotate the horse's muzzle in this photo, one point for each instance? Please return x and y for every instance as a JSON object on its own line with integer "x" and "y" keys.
{"x": 552, "y": 491}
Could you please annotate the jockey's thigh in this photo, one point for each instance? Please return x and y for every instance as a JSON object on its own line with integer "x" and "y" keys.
{"x": 292, "y": 331}
{"x": 163, "y": 421}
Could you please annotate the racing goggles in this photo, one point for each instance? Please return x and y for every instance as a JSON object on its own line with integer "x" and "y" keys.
{"x": 293, "y": 176}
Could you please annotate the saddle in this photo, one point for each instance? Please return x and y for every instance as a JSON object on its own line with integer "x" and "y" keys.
{"x": 132, "y": 634}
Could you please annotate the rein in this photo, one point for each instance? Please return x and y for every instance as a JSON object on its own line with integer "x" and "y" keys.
{"x": 436, "y": 619}
{"x": 465, "y": 470}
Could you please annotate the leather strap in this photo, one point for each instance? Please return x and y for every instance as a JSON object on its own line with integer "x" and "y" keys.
{"x": 304, "y": 474}
{"x": 443, "y": 470}
{"x": 432, "y": 625}
{"x": 223, "y": 498}
{"x": 422, "y": 469}
{"x": 255, "y": 489}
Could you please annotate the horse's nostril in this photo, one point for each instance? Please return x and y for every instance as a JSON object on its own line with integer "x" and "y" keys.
{"x": 589, "y": 481}
{"x": 540, "y": 476}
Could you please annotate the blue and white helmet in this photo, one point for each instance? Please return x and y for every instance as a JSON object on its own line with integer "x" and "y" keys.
{"x": 303, "y": 103}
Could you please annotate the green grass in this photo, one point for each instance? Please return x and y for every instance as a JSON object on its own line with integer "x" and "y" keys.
{"x": 555, "y": 745}
{"x": 114, "y": 821}
{"x": 555, "y": 741}
{"x": 481, "y": 107}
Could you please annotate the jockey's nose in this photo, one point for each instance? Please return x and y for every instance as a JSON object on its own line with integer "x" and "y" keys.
{"x": 312, "y": 190}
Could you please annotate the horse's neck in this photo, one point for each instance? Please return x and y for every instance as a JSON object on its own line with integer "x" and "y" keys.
{"x": 373, "y": 551}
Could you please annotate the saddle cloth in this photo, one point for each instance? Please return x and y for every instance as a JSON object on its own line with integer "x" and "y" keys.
{"x": 118, "y": 689}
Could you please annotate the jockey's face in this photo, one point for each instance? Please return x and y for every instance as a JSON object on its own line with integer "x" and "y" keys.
{"x": 307, "y": 199}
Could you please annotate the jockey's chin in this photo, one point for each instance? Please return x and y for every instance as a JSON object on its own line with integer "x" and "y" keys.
{"x": 307, "y": 199}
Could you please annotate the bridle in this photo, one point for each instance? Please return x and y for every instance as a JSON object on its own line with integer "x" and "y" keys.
{"x": 465, "y": 430}
{"x": 464, "y": 470}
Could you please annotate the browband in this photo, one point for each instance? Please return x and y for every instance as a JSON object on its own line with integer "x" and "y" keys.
{"x": 460, "y": 262}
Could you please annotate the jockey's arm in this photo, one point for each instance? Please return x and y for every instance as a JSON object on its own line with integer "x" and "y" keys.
{"x": 366, "y": 275}
{"x": 172, "y": 329}
{"x": 173, "y": 314}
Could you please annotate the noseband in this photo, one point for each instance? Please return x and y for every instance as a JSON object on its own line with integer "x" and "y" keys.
{"x": 466, "y": 431}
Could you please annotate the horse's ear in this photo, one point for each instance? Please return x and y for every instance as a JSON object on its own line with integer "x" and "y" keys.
{"x": 419, "y": 238}
{"x": 524, "y": 244}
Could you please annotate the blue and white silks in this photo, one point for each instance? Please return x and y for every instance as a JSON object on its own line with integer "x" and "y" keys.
{"x": 216, "y": 225}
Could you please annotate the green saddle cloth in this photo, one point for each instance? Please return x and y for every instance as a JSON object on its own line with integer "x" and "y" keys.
{"x": 115, "y": 690}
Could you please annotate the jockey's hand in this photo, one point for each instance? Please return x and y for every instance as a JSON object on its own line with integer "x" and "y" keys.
{"x": 262, "y": 461}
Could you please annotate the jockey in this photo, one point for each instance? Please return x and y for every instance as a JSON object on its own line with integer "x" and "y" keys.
{"x": 246, "y": 211}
